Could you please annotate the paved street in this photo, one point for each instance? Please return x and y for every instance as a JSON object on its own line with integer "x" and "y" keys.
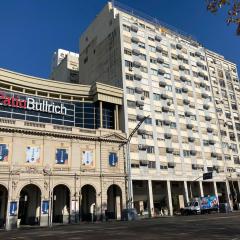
{"x": 214, "y": 226}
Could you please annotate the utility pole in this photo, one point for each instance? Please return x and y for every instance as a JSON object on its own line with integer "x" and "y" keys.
{"x": 128, "y": 164}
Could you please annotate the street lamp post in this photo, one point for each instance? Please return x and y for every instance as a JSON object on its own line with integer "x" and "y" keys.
{"x": 128, "y": 163}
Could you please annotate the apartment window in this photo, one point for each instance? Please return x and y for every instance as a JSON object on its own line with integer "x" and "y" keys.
{"x": 129, "y": 77}
{"x": 220, "y": 73}
{"x": 186, "y": 153}
{"x": 146, "y": 94}
{"x": 167, "y": 76}
{"x": 178, "y": 90}
{"x": 173, "y": 46}
{"x": 159, "y": 122}
{"x": 151, "y": 39}
{"x": 168, "y": 87}
{"x": 142, "y": 56}
{"x": 195, "y": 74}
{"x": 156, "y": 96}
{"x": 148, "y": 121}
{"x": 185, "y": 61}
{"x": 205, "y": 143}
{"x": 150, "y": 149}
{"x": 141, "y": 44}
{"x": 151, "y": 164}
{"x": 153, "y": 71}
{"x": 127, "y": 51}
{"x": 153, "y": 60}
{"x": 173, "y": 125}
{"x": 131, "y": 104}
{"x": 128, "y": 64}
{"x": 174, "y": 56}
{"x": 152, "y": 48}
{"x": 187, "y": 72}
{"x": 166, "y": 65}
{"x": 143, "y": 69}
{"x": 192, "y": 54}
{"x": 126, "y": 28}
{"x": 165, "y": 53}
{"x": 130, "y": 90}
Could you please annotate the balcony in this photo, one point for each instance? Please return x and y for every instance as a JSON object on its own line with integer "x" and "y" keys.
{"x": 138, "y": 90}
{"x": 134, "y": 28}
{"x": 171, "y": 165}
{"x": 208, "y": 118}
{"x": 164, "y": 96}
{"x": 181, "y": 67}
{"x": 184, "y": 90}
{"x": 135, "y": 40}
{"x": 136, "y": 52}
{"x": 161, "y": 71}
{"x": 137, "y": 64}
{"x": 140, "y": 117}
{"x": 186, "y": 101}
{"x": 137, "y": 77}
{"x": 206, "y": 106}
{"x": 167, "y": 135}
{"x": 166, "y": 122}
{"x": 165, "y": 109}
{"x": 183, "y": 79}
{"x": 158, "y": 38}
{"x": 159, "y": 49}
{"x": 142, "y": 147}
{"x": 139, "y": 103}
{"x": 162, "y": 84}
{"x": 180, "y": 56}
{"x": 213, "y": 155}
{"x": 169, "y": 150}
{"x": 189, "y": 126}
{"x": 193, "y": 152}
{"x": 197, "y": 54}
{"x": 179, "y": 46}
{"x": 160, "y": 60}
{"x": 191, "y": 139}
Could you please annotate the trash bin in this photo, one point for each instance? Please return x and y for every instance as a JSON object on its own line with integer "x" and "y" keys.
{"x": 224, "y": 208}
{"x": 129, "y": 214}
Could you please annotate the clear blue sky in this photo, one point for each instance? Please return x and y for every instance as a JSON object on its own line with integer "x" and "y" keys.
{"x": 31, "y": 30}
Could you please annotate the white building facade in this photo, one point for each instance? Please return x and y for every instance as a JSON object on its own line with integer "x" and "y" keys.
{"x": 183, "y": 88}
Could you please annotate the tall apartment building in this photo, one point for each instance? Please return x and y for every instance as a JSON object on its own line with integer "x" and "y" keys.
{"x": 191, "y": 95}
{"x": 65, "y": 66}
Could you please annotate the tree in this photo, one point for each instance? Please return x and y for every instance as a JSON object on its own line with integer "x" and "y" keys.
{"x": 233, "y": 10}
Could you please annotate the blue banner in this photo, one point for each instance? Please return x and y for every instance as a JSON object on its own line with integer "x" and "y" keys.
{"x": 45, "y": 207}
{"x": 113, "y": 159}
{"x": 61, "y": 156}
{"x": 13, "y": 209}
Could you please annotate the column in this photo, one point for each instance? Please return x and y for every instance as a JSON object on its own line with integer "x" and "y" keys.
{"x": 186, "y": 191}
{"x": 44, "y": 219}
{"x": 238, "y": 186}
{"x": 116, "y": 118}
{"x": 229, "y": 194}
{"x": 215, "y": 190}
{"x": 101, "y": 114}
{"x": 169, "y": 198}
{"x": 201, "y": 189}
{"x": 150, "y": 197}
{"x": 74, "y": 208}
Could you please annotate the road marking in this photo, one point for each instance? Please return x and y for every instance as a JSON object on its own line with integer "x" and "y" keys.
{"x": 202, "y": 219}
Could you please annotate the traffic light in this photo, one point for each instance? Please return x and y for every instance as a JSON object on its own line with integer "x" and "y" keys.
{"x": 207, "y": 175}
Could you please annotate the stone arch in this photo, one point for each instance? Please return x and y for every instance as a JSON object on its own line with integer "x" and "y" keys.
{"x": 88, "y": 202}
{"x": 114, "y": 202}
{"x": 3, "y": 204}
{"x": 29, "y": 204}
{"x": 61, "y": 203}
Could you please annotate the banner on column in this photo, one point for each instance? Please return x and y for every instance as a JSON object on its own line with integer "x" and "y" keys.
{"x": 45, "y": 207}
{"x": 13, "y": 209}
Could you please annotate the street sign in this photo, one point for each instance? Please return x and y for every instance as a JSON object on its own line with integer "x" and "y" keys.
{"x": 207, "y": 175}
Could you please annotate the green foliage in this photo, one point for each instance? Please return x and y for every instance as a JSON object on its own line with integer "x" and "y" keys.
{"x": 233, "y": 10}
